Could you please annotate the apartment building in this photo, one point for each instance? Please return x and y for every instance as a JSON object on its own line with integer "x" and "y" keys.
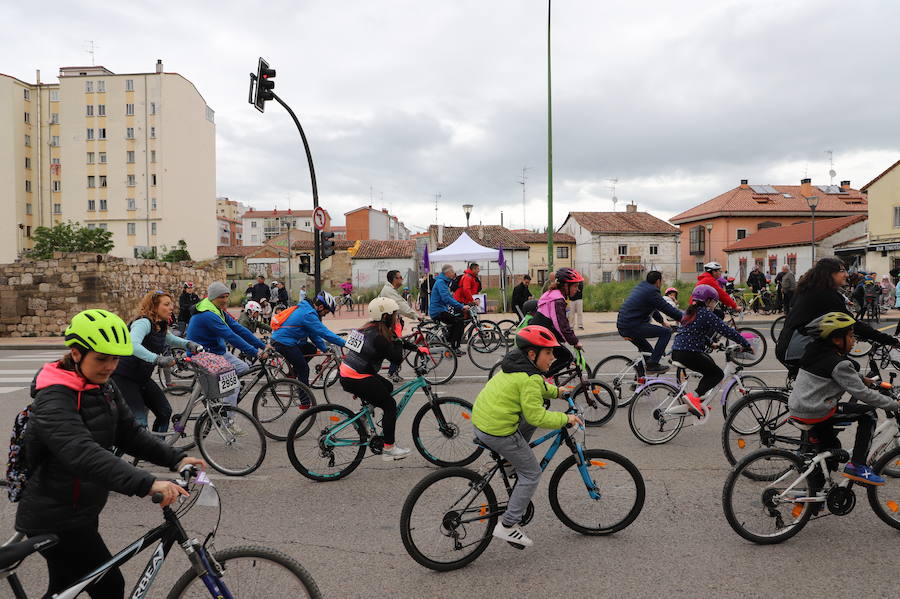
{"x": 262, "y": 225}
{"x": 131, "y": 153}
{"x": 230, "y": 209}
{"x": 369, "y": 223}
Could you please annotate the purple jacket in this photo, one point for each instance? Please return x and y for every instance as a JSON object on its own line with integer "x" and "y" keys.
{"x": 551, "y": 313}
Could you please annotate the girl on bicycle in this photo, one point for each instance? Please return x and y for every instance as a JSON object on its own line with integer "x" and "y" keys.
{"x": 366, "y": 348}
{"x": 692, "y": 343}
{"x": 551, "y": 312}
{"x": 134, "y": 374}
{"x": 76, "y": 419}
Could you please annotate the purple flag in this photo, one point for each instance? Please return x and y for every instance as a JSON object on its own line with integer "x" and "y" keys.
{"x": 501, "y": 260}
{"x": 425, "y": 261}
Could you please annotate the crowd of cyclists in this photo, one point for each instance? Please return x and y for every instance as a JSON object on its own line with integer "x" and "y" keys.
{"x": 100, "y": 394}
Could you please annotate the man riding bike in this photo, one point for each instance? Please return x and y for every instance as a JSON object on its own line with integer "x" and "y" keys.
{"x": 710, "y": 276}
{"x": 303, "y": 332}
{"x": 646, "y": 302}
{"x": 443, "y": 308}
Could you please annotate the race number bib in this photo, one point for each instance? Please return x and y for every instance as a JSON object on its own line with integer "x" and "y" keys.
{"x": 354, "y": 341}
{"x": 228, "y": 382}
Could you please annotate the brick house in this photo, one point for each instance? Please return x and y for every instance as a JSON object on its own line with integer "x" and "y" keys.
{"x": 368, "y": 223}
{"x": 563, "y": 252}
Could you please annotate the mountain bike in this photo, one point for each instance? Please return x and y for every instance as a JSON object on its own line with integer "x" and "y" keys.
{"x": 625, "y": 374}
{"x": 244, "y": 571}
{"x": 336, "y": 445}
{"x": 448, "y": 518}
{"x": 760, "y": 301}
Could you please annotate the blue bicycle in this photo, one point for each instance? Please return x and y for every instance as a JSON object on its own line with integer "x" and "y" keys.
{"x": 449, "y": 516}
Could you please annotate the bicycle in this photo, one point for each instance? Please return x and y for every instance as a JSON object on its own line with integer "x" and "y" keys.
{"x": 459, "y": 508}
{"x": 657, "y": 413}
{"x": 340, "y": 437}
{"x": 245, "y": 571}
{"x": 625, "y": 374}
{"x": 759, "y": 301}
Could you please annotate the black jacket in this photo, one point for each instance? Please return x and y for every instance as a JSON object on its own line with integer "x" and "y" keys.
{"x": 261, "y": 291}
{"x": 283, "y": 296}
{"x": 520, "y": 294}
{"x": 68, "y": 450}
{"x": 185, "y": 301}
{"x": 756, "y": 280}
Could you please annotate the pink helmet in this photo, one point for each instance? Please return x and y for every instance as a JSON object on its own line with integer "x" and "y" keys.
{"x": 704, "y": 293}
{"x": 670, "y": 290}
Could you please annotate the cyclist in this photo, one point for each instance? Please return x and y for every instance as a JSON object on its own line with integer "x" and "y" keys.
{"x": 443, "y": 308}
{"x": 366, "y": 348}
{"x": 699, "y": 324}
{"x": 390, "y": 291}
{"x": 134, "y": 374}
{"x": 251, "y": 318}
{"x": 77, "y": 417}
{"x": 826, "y": 373}
{"x": 510, "y": 407}
{"x": 671, "y": 296}
{"x": 212, "y": 326}
{"x": 186, "y": 301}
{"x": 469, "y": 285}
{"x": 347, "y": 292}
{"x": 551, "y": 312}
{"x": 303, "y": 332}
{"x": 711, "y": 273}
{"x": 643, "y": 303}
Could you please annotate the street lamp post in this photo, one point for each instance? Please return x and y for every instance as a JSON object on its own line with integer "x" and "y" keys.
{"x": 708, "y": 242}
{"x": 812, "y": 202}
{"x": 467, "y": 208}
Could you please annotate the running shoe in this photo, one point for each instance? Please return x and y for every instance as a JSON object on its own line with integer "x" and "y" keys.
{"x": 513, "y": 534}
{"x": 394, "y": 453}
{"x": 861, "y": 474}
{"x": 694, "y": 404}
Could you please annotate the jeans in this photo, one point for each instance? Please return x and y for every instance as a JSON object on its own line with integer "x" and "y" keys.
{"x": 241, "y": 368}
{"x": 79, "y": 552}
{"x": 641, "y": 333}
{"x": 454, "y": 335}
{"x": 823, "y": 435}
{"x": 516, "y": 450}
{"x": 702, "y": 363}
{"x": 296, "y": 355}
{"x": 143, "y": 395}
{"x": 376, "y": 390}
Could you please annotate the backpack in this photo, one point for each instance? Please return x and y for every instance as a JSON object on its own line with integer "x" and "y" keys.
{"x": 454, "y": 284}
{"x": 279, "y": 319}
{"x": 17, "y": 471}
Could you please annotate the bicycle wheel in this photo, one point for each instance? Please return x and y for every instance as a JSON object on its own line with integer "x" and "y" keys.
{"x": 623, "y": 374}
{"x": 738, "y": 391}
{"x": 278, "y": 402}
{"x": 777, "y": 326}
{"x": 507, "y": 331}
{"x": 885, "y": 499}
{"x": 758, "y": 507}
{"x": 440, "y": 364}
{"x": 443, "y": 432}
{"x": 758, "y": 421}
{"x": 251, "y": 571}
{"x": 448, "y": 519}
{"x": 603, "y": 397}
{"x": 481, "y": 349}
{"x": 650, "y": 416}
{"x": 759, "y": 342}
{"x": 495, "y": 369}
{"x": 334, "y": 447}
{"x": 230, "y": 440}
{"x": 610, "y": 502}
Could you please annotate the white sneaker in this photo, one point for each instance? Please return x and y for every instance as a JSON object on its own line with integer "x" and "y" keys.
{"x": 394, "y": 453}
{"x": 514, "y": 534}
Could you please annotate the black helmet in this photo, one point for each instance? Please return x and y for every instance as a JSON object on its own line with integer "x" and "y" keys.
{"x": 529, "y": 306}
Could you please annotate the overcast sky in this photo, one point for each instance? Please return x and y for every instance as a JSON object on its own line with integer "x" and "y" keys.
{"x": 402, "y": 100}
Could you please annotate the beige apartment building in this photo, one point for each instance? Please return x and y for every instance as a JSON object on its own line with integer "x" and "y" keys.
{"x": 230, "y": 209}
{"x": 131, "y": 153}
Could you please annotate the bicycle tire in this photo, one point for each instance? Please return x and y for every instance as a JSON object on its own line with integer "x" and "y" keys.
{"x": 883, "y": 499}
{"x": 597, "y": 461}
{"x": 313, "y": 444}
{"x": 623, "y": 374}
{"x": 757, "y": 500}
{"x": 274, "y": 410}
{"x": 441, "y": 364}
{"x": 777, "y": 326}
{"x": 477, "y": 349}
{"x": 758, "y": 356}
{"x": 507, "y": 331}
{"x": 448, "y": 523}
{"x": 734, "y": 394}
{"x": 758, "y": 421}
{"x": 228, "y": 434}
{"x": 603, "y": 396}
{"x": 642, "y": 424}
{"x": 495, "y": 368}
{"x": 456, "y": 429}
{"x": 486, "y": 341}
{"x": 258, "y": 555}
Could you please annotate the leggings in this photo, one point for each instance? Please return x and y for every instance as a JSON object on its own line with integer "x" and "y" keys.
{"x": 702, "y": 363}
{"x": 143, "y": 395}
{"x": 376, "y": 390}
{"x": 78, "y": 552}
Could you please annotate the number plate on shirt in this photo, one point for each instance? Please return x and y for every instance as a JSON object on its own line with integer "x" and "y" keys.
{"x": 228, "y": 382}
{"x": 354, "y": 341}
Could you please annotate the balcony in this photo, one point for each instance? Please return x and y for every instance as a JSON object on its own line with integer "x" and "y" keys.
{"x": 629, "y": 259}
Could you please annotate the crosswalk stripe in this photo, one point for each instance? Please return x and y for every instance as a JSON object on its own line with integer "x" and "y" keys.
{"x": 4, "y": 390}
{"x": 15, "y": 379}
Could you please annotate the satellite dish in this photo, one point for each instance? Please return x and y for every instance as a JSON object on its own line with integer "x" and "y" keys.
{"x": 832, "y": 174}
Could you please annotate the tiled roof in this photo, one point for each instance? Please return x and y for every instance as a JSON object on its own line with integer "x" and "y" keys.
{"x": 745, "y": 200}
{"x": 378, "y": 248}
{"x": 534, "y": 237}
{"x": 236, "y": 250}
{"x": 622, "y": 222}
{"x": 492, "y": 236}
{"x": 886, "y": 171}
{"x": 307, "y": 244}
{"x": 798, "y": 234}
{"x": 271, "y": 213}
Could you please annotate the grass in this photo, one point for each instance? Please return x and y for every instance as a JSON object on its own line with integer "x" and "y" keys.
{"x": 604, "y": 297}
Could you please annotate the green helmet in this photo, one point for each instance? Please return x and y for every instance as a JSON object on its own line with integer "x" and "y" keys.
{"x": 99, "y": 331}
{"x": 827, "y": 324}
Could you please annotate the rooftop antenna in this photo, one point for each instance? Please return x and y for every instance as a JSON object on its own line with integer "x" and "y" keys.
{"x": 831, "y": 172}
{"x": 92, "y": 50}
{"x": 522, "y": 182}
{"x": 612, "y": 188}
{"x": 437, "y": 197}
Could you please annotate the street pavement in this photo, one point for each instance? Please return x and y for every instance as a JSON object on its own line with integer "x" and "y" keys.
{"x": 346, "y": 532}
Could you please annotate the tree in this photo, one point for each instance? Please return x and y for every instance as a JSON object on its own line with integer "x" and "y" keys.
{"x": 177, "y": 253}
{"x": 70, "y": 237}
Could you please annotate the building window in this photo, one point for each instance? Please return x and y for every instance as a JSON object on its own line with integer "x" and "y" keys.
{"x": 698, "y": 241}
{"x": 210, "y": 115}
{"x": 27, "y": 162}
{"x": 28, "y": 141}
{"x": 101, "y": 109}
{"x": 129, "y": 110}
{"x": 129, "y": 85}
{"x": 152, "y": 107}
{"x": 91, "y": 226}
{"x": 252, "y": 224}
{"x": 741, "y": 233}
{"x": 129, "y": 156}
{"x": 130, "y": 181}
{"x": 129, "y": 133}
{"x": 92, "y": 205}
{"x": 90, "y": 158}
{"x": 561, "y": 251}
{"x": 630, "y": 275}
{"x": 103, "y": 226}
{"x": 101, "y": 86}
{"x": 896, "y": 214}
{"x": 153, "y": 228}
{"x": 152, "y": 203}
{"x": 28, "y": 211}
{"x": 90, "y": 134}
{"x": 57, "y": 186}
{"x": 102, "y": 180}
{"x": 654, "y": 250}
{"x": 773, "y": 265}
{"x": 89, "y": 110}
{"x": 153, "y": 132}
{"x": 153, "y": 179}
{"x": 57, "y": 208}
{"x": 153, "y": 156}
{"x": 88, "y": 87}
{"x": 54, "y": 95}
{"x": 102, "y": 157}
{"x": 54, "y": 118}
{"x": 607, "y": 276}
{"x": 27, "y": 94}
{"x": 27, "y": 186}
{"x": 623, "y": 250}
{"x": 54, "y": 161}
{"x": 28, "y": 117}
{"x": 92, "y": 181}
{"x": 54, "y": 141}
{"x": 101, "y": 133}
{"x": 132, "y": 205}
{"x": 103, "y": 205}
{"x": 698, "y": 266}
{"x": 131, "y": 228}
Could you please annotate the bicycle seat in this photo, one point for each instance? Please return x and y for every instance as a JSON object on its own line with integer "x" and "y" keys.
{"x": 15, "y": 552}
{"x": 478, "y": 442}
{"x": 646, "y": 354}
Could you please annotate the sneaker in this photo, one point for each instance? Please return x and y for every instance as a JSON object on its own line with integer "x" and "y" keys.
{"x": 396, "y": 378}
{"x": 460, "y": 353}
{"x": 514, "y": 535}
{"x": 694, "y": 404}
{"x": 861, "y": 474}
{"x": 394, "y": 453}
{"x": 657, "y": 367}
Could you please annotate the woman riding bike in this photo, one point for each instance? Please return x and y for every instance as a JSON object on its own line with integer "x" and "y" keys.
{"x": 551, "y": 312}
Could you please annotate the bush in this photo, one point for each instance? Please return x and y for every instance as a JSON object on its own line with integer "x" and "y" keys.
{"x": 601, "y": 297}
{"x": 70, "y": 237}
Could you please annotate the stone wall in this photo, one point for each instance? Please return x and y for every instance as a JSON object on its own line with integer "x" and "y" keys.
{"x": 39, "y": 297}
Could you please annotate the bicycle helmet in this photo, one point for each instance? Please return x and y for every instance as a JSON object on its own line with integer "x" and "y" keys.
{"x": 253, "y": 306}
{"x": 670, "y": 290}
{"x": 827, "y": 325}
{"x": 711, "y": 266}
{"x": 99, "y": 331}
{"x": 704, "y": 293}
{"x": 535, "y": 336}
{"x": 380, "y": 306}
{"x": 189, "y": 284}
{"x": 568, "y": 275}
{"x": 530, "y": 306}
{"x": 327, "y": 300}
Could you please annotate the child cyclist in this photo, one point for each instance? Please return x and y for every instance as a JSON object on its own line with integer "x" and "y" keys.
{"x": 551, "y": 311}
{"x": 826, "y": 373}
{"x": 698, "y": 326}
{"x": 509, "y": 409}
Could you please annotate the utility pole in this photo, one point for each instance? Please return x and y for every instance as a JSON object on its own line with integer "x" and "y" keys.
{"x": 549, "y": 154}
{"x": 522, "y": 182}
{"x": 437, "y": 197}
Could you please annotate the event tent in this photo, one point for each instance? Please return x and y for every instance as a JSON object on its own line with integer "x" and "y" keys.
{"x": 464, "y": 249}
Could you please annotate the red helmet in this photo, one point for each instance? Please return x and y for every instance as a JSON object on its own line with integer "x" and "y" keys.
{"x": 568, "y": 275}
{"x": 535, "y": 336}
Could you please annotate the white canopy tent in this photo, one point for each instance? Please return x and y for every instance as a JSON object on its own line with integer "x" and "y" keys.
{"x": 464, "y": 249}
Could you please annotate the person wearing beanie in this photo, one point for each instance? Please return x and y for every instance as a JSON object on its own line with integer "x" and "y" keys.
{"x": 212, "y": 327}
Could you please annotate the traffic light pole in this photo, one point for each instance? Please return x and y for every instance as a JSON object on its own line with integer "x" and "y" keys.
{"x": 315, "y": 194}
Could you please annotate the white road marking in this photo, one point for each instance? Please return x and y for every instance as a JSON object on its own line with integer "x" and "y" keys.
{"x": 10, "y": 389}
{"x": 31, "y": 371}
{"x": 15, "y": 379}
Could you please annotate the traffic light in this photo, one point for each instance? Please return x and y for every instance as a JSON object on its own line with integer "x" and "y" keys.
{"x": 326, "y": 247}
{"x": 305, "y": 263}
{"x": 265, "y": 83}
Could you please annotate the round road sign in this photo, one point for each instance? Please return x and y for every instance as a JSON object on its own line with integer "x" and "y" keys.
{"x": 319, "y": 218}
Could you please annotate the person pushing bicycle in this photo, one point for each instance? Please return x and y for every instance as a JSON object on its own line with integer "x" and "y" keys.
{"x": 510, "y": 407}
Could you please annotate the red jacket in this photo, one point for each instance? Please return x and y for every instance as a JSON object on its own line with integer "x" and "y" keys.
{"x": 469, "y": 285}
{"x": 707, "y": 279}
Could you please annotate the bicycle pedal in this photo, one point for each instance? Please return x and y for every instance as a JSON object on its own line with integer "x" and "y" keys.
{"x": 516, "y": 545}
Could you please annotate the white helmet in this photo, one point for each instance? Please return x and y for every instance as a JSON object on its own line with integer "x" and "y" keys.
{"x": 327, "y": 300}
{"x": 274, "y": 283}
{"x": 253, "y": 307}
{"x": 380, "y": 306}
{"x": 712, "y": 266}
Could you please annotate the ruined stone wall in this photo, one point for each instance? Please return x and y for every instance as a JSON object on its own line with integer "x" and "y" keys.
{"x": 39, "y": 297}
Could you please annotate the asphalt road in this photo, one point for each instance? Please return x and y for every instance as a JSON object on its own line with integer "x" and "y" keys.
{"x": 346, "y": 532}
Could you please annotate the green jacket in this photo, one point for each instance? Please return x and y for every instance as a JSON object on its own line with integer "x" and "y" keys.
{"x": 517, "y": 391}
{"x": 252, "y": 324}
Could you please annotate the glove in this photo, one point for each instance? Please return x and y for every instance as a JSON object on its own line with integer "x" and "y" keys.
{"x": 165, "y": 361}
{"x": 194, "y": 348}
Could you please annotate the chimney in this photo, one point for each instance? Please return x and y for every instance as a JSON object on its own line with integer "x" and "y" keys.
{"x": 159, "y": 66}
{"x": 744, "y": 184}
{"x": 632, "y": 207}
{"x": 845, "y": 185}
{"x": 806, "y": 189}
{"x": 37, "y": 76}
{"x": 440, "y": 229}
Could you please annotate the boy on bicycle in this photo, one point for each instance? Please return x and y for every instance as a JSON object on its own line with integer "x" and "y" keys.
{"x": 509, "y": 409}
{"x": 826, "y": 373}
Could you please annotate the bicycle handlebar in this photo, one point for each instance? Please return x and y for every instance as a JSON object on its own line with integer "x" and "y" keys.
{"x": 186, "y": 474}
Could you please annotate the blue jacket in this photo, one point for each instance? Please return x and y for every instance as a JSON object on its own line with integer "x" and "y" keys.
{"x": 644, "y": 301}
{"x": 212, "y": 328}
{"x": 441, "y": 297}
{"x": 304, "y": 323}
